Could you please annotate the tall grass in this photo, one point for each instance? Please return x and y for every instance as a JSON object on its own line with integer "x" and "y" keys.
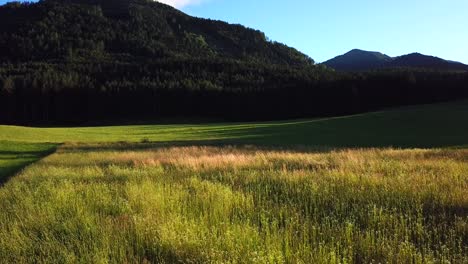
{"x": 101, "y": 204}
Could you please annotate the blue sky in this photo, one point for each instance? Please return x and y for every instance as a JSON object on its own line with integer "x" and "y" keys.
{"x": 326, "y": 28}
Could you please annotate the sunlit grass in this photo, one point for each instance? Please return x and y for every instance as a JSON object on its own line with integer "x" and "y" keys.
{"x": 126, "y": 202}
{"x": 440, "y": 125}
{"x": 301, "y": 193}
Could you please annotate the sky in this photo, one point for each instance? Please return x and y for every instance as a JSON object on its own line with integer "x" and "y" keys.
{"x": 324, "y": 29}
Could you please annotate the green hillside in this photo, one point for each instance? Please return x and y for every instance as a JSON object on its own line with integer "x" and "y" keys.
{"x": 131, "y": 31}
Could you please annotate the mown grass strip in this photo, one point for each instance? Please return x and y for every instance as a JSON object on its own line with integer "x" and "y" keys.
{"x": 14, "y": 156}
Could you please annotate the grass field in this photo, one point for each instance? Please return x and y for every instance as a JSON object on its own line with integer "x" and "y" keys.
{"x": 137, "y": 203}
{"x": 442, "y": 125}
{"x": 15, "y": 155}
{"x": 387, "y": 187}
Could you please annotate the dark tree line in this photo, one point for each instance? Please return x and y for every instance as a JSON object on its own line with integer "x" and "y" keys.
{"x": 76, "y": 93}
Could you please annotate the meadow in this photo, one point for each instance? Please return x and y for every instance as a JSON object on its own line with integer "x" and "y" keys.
{"x": 145, "y": 203}
{"x": 439, "y": 125}
{"x": 386, "y": 187}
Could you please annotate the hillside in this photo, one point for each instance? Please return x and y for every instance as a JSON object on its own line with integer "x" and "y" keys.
{"x": 417, "y": 60}
{"x": 360, "y": 60}
{"x": 102, "y": 30}
{"x": 75, "y": 62}
{"x": 71, "y": 61}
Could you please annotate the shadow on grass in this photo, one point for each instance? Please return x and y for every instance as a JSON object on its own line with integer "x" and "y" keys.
{"x": 299, "y": 141}
{"x": 14, "y": 156}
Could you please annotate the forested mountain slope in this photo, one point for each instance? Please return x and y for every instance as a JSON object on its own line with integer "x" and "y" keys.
{"x": 358, "y": 60}
{"x": 127, "y": 30}
{"x": 75, "y": 61}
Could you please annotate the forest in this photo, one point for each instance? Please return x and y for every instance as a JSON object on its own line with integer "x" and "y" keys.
{"x": 76, "y": 61}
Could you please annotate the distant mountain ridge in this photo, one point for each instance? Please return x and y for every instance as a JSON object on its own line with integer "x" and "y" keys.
{"x": 361, "y": 60}
{"x": 358, "y": 60}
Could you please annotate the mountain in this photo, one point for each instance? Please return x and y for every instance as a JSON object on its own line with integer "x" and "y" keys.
{"x": 70, "y": 61}
{"x": 359, "y": 60}
{"x": 417, "y": 60}
{"x": 128, "y": 30}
